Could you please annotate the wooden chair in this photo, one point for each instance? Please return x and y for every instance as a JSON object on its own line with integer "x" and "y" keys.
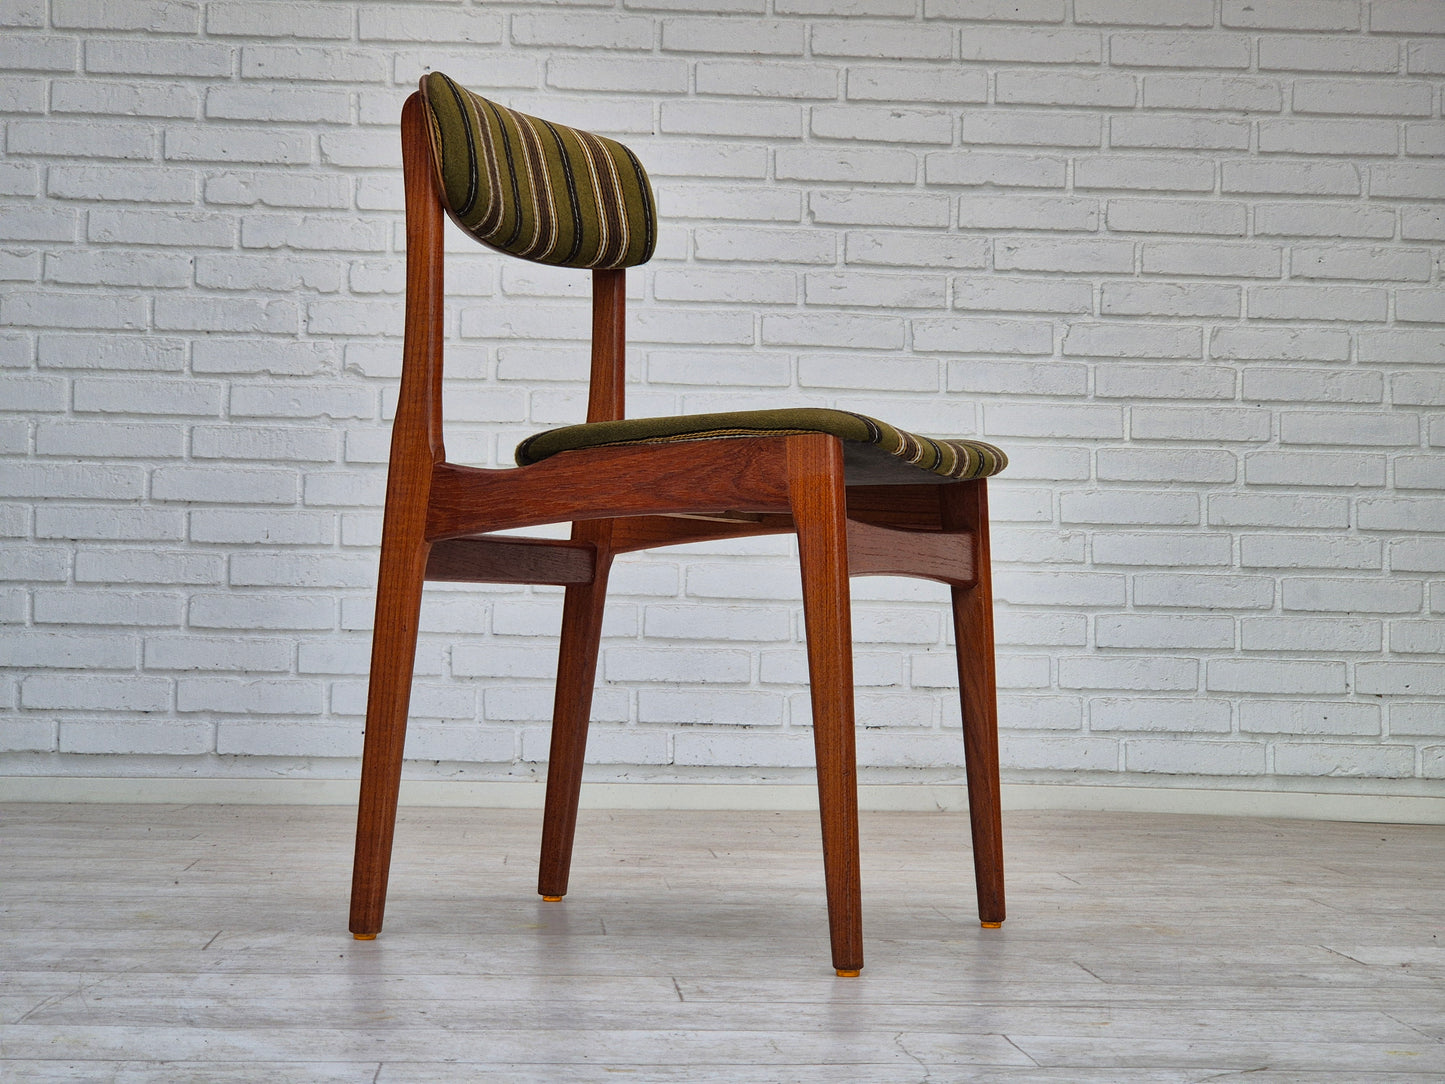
{"x": 862, "y": 497}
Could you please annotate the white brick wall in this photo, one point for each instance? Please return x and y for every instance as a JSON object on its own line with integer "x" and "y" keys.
{"x": 1182, "y": 258}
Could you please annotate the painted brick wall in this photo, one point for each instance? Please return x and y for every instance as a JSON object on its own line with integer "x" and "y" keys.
{"x": 1182, "y": 258}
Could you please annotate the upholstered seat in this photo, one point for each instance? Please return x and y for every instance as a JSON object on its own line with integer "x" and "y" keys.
{"x": 874, "y": 452}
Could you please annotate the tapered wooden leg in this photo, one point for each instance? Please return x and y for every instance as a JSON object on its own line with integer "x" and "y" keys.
{"x": 393, "y": 654}
{"x": 416, "y": 446}
{"x": 966, "y": 506}
{"x": 815, "y": 467}
{"x": 571, "y": 712}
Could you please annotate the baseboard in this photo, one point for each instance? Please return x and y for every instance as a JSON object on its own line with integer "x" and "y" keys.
{"x": 1380, "y": 808}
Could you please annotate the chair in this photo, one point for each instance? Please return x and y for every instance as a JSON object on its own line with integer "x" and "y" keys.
{"x": 862, "y": 497}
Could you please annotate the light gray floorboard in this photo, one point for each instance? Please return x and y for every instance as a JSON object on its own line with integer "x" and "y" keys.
{"x": 143, "y": 944}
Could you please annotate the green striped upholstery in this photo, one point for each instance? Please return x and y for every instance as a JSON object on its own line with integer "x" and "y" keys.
{"x": 535, "y": 189}
{"x": 874, "y": 452}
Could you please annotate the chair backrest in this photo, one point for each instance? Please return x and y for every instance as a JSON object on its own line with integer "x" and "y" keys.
{"x": 535, "y": 189}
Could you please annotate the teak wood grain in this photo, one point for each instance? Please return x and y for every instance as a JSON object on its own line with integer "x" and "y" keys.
{"x": 511, "y": 560}
{"x": 441, "y": 523}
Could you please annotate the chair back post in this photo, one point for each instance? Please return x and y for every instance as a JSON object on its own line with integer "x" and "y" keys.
{"x": 607, "y": 398}
{"x": 418, "y": 426}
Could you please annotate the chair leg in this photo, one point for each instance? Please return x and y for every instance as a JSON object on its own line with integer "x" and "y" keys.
{"x": 820, "y": 516}
{"x": 967, "y": 507}
{"x": 393, "y": 655}
{"x": 571, "y": 713}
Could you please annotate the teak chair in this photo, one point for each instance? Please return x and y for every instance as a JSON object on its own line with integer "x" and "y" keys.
{"x": 862, "y": 497}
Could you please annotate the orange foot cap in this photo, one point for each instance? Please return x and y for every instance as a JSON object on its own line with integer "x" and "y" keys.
{"x": 364, "y": 936}
{"x": 844, "y": 973}
{"x": 991, "y": 925}
{"x": 552, "y": 899}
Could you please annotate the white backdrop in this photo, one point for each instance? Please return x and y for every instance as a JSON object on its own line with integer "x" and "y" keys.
{"x": 1180, "y": 258}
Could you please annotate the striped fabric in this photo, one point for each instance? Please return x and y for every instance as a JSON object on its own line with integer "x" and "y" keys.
{"x": 874, "y": 451}
{"x": 534, "y": 189}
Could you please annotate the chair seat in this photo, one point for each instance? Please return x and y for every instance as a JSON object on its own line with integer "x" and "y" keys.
{"x": 875, "y": 453}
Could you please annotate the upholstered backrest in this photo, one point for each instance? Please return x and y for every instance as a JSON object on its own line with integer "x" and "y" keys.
{"x": 535, "y": 189}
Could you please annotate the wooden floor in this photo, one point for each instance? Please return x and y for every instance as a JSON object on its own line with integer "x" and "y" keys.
{"x": 170, "y": 943}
